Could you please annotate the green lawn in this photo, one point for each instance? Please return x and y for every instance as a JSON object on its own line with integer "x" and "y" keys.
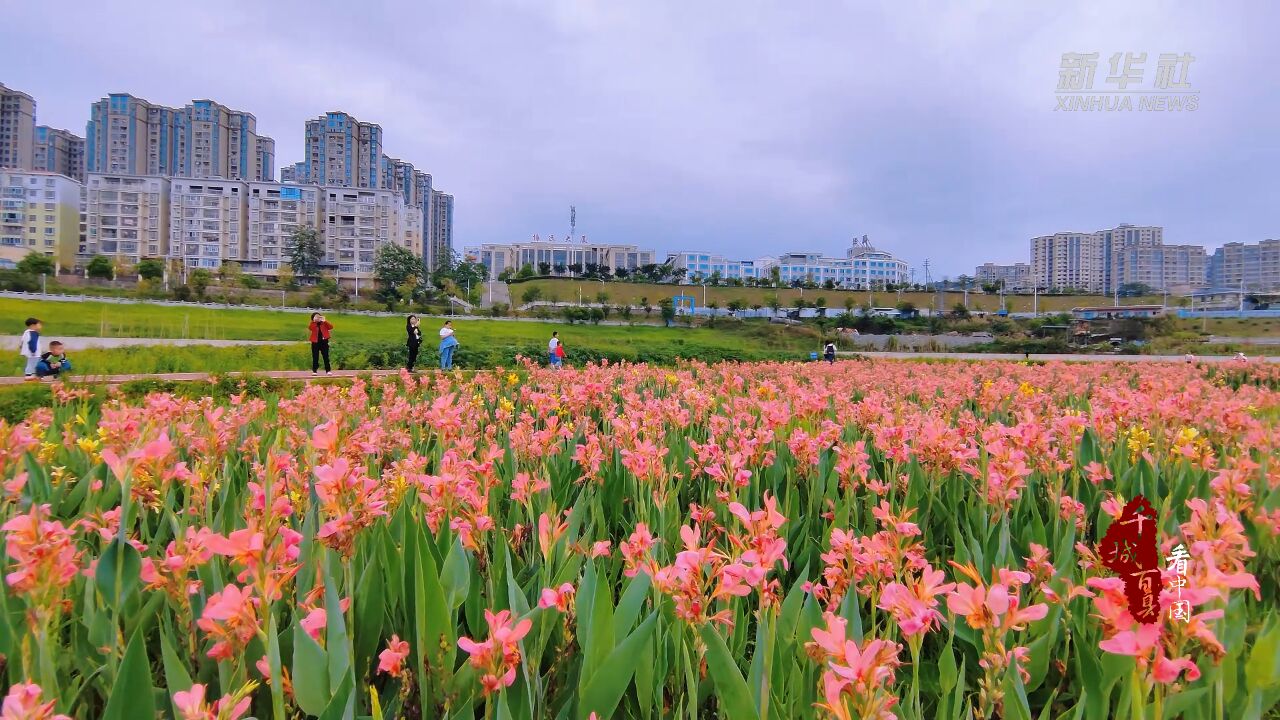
{"x": 620, "y": 293}
{"x": 361, "y": 342}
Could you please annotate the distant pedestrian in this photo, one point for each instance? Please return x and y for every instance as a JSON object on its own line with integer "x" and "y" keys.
{"x": 413, "y": 338}
{"x": 553, "y": 350}
{"x": 29, "y": 348}
{"x": 321, "y": 330}
{"x": 829, "y": 353}
{"x": 448, "y": 343}
{"x": 53, "y": 363}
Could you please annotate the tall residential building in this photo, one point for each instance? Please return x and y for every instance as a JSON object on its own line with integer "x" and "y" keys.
{"x": 342, "y": 151}
{"x": 39, "y": 212}
{"x": 1015, "y": 277}
{"x": 128, "y": 135}
{"x": 699, "y": 265}
{"x": 296, "y": 172}
{"x": 356, "y": 222}
{"x": 276, "y": 210}
{"x": 17, "y": 128}
{"x": 59, "y": 151}
{"x": 126, "y": 216}
{"x": 207, "y": 221}
{"x": 1069, "y": 260}
{"x": 1138, "y": 255}
{"x": 1256, "y": 266}
{"x": 440, "y": 227}
{"x": 498, "y": 258}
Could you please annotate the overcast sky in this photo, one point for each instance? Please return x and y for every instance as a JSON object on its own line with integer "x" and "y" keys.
{"x": 746, "y": 128}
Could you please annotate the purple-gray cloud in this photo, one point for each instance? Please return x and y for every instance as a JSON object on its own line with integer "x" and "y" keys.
{"x": 747, "y": 128}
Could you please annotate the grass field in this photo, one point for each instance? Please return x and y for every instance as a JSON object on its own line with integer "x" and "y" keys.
{"x": 361, "y": 341}
{"x": 631, "y": 293}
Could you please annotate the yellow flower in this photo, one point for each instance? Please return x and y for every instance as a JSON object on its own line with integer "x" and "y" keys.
{"x": 986, "y": 384}
{"x": 47, "y": 451}
{"x": 80, "y": 419}
{"x": 512, "y": 379}
{"x": 672, "y": 378}
{"x": 1026, "y": 389}
{"x": 88, "y": 445}
{"x": 58, "y": 474}
{"x": 1139, "y": 440}
{"x": 506, "y": 405}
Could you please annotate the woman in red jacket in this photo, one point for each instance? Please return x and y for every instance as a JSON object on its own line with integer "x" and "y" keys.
{"x": 320, "y": 331}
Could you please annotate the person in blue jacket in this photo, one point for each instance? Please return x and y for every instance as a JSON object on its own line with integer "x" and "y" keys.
{"x": 53, "y": 363}
{"x": 447, "y": 344}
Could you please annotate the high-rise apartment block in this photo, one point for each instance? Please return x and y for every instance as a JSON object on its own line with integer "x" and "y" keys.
{"x": 1069, "y": 260}
{"x": 357, "y": 222}
{"x": 126, "y": 216}
{"x": 1253, "y": 266}
{"x": 342, "y": 151}
{"x": 1107, "y": 260}
{"x": 39, "y": 212}
{"x": 59, "y": 151}
{"x": 1014, "y": 277}
{"x": 440, "y": 249}
{"x": 276, "y": 211}
{"x": 128, "y": 135}
{"x": 17, "y": 128}
{"x": 207, "y": 221}
{"x": 296, "y": 172}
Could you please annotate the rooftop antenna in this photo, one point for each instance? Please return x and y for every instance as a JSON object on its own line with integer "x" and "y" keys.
{"x": 573, "y": 222}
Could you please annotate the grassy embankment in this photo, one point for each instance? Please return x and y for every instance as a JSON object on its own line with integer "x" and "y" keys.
{"x": 362, "y": 342}
{"x": 623, "y": 293}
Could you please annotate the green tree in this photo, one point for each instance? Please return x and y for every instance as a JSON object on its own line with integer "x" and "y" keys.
{"x": 151, "y": 269}
{"x": 960, "y": 311}
{"x": 775, "y": 303}
{"x": 394, "y": 266}
{"x": 602, "y": 297}
{"x": 36, "y": 263}
{"x": 100, "y": 267}
{"x": 544, "y": 268}
{"x": 526, "y": 272}
{"x": 668, "y": 310}
{"x": 532, "y": 294}
{"x": 199, "y": 280}
{"x": 229, "y": 273}
{"x": 305, "y": 251}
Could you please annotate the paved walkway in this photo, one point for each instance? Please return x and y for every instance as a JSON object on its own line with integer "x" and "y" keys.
{"x": 73, "y": 344}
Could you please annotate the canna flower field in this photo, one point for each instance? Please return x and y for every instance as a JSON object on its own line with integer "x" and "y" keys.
{"x": 865, "y": 540}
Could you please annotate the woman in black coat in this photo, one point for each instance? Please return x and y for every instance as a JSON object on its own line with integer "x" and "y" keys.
{"x": 413, "y": 338}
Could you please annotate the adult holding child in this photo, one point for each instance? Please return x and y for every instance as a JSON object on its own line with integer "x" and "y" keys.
{"x": 321, "y": 330}
{"x": 448, "y": 343}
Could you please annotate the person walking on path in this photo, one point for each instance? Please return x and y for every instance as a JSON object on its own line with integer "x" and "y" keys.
{"x": 829, "y": 353}
{"x": 448, "y": 343}
{"x": 554, "y": 350}
{"x": 413, "y": 338}
{"x": 321, "y": 330}
{"x": 29, "y": 348}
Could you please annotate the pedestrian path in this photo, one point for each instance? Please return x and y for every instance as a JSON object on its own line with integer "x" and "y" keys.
{"x": 207, "y": 377}
{"x": 75, "y": 344}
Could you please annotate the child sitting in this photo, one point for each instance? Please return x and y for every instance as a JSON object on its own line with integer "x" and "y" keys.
{"x": 53, "y": 363}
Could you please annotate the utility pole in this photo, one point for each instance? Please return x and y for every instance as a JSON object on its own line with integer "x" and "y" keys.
{"x": 1035, "y": 301}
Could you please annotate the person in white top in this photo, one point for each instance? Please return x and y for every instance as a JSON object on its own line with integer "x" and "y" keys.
{"x": 553, "y": 347}
{"x": 448, "y": 343}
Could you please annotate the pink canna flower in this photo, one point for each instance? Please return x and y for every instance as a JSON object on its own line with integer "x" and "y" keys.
{"x": 913, "y": 604}
{"x": 43, "y": 555}
{"x": 601, "y": 548}
{"x": 325, "y": 437}
{"x": 23, "y": 703}
{"x": 231, "y": 619}
{"x": 391, "y": 660}
{"x": 191, "y": 704}
{"x": 314, "y": 623}
{"x": 558, "y": 598}
{"x": 497, "y": 657}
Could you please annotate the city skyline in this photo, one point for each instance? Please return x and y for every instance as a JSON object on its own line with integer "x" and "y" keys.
{"x": 741, "y": 131}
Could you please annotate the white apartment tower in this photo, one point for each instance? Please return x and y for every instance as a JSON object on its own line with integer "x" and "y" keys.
{"x": 207, "y": 222}
{"x": 276, "y": 210}
{"x": 126, "y": 217}
{"x": 39, "y": 212}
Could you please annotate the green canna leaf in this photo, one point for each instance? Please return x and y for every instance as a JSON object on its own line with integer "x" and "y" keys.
{"x": 630, "y": 604}
{"x": 310, "y": 673}
{"x": 1262, "y": 672}
{"x": 612, "y": 678}
{"x": 132, "y": 695}
{"x": 370, "y": 612}
{"x": 731, "y": 689}
{"x": 117, "y": 574}
{"x": 455, "y": 577}
{"x": 342, "y": 705}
